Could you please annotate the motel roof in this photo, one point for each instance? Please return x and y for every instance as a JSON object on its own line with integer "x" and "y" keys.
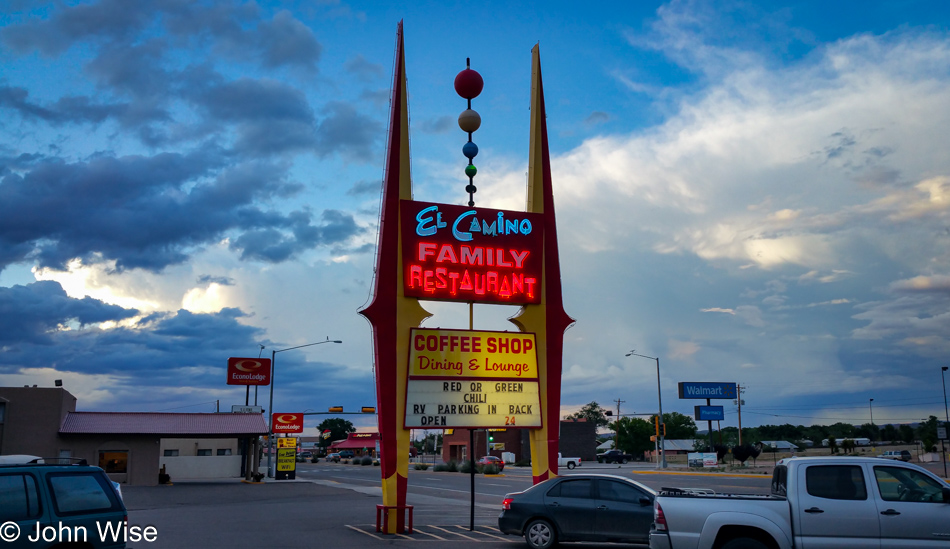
{"x": 164, "y": 424}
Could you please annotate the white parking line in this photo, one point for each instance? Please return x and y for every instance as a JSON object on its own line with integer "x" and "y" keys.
{"x": 484, "y": 533}
{"x": 428, "y": 534}
{"x": 364, "y": 532}
{"x": 454, "y": 533}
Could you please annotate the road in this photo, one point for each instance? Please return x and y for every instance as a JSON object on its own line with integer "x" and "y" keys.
{"x": 335, "y": 505}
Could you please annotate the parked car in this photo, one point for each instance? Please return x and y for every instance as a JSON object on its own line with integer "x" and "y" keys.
{"x": 569, "y": 462}
{"x": 817, "y": 502}
{"x": 579, "y": 508}
{"x": 77, "y": 497}
{"x": 902, "y": 455}
{"x": 492, "y": 460}
{"x": 304, "y": 457}
{"x": 347, "y": 454}
{"x": 613, "y": 456}
{"x": 334, "y": 457}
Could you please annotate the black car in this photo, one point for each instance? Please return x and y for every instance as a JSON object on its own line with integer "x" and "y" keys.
{"x": 579, "y": 508}
{"x": 613, "y": 456}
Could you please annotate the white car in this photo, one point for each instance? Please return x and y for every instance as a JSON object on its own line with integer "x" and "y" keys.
{"x": 902, "y": 455}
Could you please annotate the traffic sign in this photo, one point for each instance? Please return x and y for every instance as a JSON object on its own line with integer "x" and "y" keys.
{"x": 240, "y": 409}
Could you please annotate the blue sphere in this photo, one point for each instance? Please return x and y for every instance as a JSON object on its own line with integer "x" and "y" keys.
{"x": 470, "y": 150}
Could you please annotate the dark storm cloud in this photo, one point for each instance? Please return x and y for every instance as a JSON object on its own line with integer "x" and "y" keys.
{"x": 284, "y": 41}
{"x": 136, "y": 69}
{"x": 248, "y": 99}
{"x": 345, "y": 131}
{"x": 364, "y": 69}
{"x": 114, "y": 20}
{"x": 151, "y": 212}
{"x": 157, "y": 350}
{"x": 442, "y": 124}
{"x": 364, "y": 187}
{"x": 272, "y": 245}
{"x": 32, "y": 314}
{"x": 220, "y": 280}
{"x": 76, "y": 109}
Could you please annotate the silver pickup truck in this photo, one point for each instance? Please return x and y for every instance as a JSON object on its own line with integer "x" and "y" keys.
{"x": 815, "y": 503}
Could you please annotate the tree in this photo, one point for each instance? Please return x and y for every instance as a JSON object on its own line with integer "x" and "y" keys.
{"x": 634, "y": 435}
{"x": 591, "y": 412}
{"x": 847, "y": 445}
{"x": 833, "y": 444}
{"x": 906, "y": 434}
{"x": 338, "y": 427}
{"x": 927, "y": 433}
{"x": 679, "y": 426}
{"x": 869, "y": 431}
{"x": 890, "y": 433}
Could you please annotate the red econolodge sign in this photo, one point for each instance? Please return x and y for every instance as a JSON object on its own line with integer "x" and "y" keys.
{"x": 454, "y": 253}
{"x": 287, "y": 423}
{"x": 248, "y": 371}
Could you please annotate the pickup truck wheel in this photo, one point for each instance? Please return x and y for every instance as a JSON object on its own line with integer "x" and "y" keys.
{"x": 570, "y": 464}
{"x": 744, "y": 543}
{"x": 624, "y": 460}
{"x": 540, "y": 535}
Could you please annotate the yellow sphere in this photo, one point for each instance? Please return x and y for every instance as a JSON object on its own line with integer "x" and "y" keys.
{"x": 469, "y": 120}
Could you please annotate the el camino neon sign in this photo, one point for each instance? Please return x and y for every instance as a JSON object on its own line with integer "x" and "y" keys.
{"x": 456, "y": 253}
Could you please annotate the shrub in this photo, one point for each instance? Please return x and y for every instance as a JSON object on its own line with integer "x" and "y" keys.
{"x": 421, "y": 466}
{"x": 466, "y": 466}
{"x": 366, "y": 460}
{"x": 315, "y": 459}
{"x": 355, "y": 461}
{"x": 376, "y": 463}
{"x": 441, "y": 467}
{"x": 489, "y": 469}
{"x": 453, "y": 466}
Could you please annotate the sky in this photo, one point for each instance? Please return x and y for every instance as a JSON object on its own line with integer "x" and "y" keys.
{"x": 752, "y": 192}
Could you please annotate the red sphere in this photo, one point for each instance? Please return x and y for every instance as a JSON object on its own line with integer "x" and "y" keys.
{"x": 469, "y": 84}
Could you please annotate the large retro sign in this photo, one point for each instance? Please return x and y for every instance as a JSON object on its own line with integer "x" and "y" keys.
{"x": 471, "y": 254}
{"x": 287, "y": 423}
{"x": 472, "y": 379}
{"x": 248, "y": 371}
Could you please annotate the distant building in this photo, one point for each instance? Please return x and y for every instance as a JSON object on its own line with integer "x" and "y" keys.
{"x": 130, "y": 446}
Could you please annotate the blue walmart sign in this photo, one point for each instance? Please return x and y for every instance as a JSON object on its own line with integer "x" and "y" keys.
{"x": 709, "y": 413}
{"x": 707, "y": 390}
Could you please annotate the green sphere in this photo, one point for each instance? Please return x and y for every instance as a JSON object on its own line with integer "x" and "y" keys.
{"x": 471, "y": 170}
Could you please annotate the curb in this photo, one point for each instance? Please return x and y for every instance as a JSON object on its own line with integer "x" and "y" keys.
{"x": 690, "y": 473}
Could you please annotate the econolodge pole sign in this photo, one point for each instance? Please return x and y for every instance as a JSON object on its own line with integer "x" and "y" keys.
{"x": 248, "y": 371}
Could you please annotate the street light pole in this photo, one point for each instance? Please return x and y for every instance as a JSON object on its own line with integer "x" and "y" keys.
{"x": 871, "y": 409}
{"x": 661, "y": 463}
{"x": 270, "y": 407}
{"x": 946, "y": 425}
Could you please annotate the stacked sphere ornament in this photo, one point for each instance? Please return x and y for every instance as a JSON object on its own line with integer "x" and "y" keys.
{"x": 468, "y": 84}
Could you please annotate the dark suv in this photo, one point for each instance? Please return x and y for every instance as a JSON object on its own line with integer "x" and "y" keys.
{"x": 347, "y": 454}
{"x": 59, "y": 503}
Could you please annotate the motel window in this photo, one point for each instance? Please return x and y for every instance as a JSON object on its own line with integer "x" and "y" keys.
{"x": 171, "y": 453}
{"x": 224, "y": 451}
{"x": 65, "y": 457}
{"x": 116, "y": 461}
{"x": 204, "y": 451}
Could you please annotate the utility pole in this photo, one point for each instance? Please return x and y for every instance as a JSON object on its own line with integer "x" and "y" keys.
{"x": 617, "y": 425}
{"x": 739, "y": 401}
